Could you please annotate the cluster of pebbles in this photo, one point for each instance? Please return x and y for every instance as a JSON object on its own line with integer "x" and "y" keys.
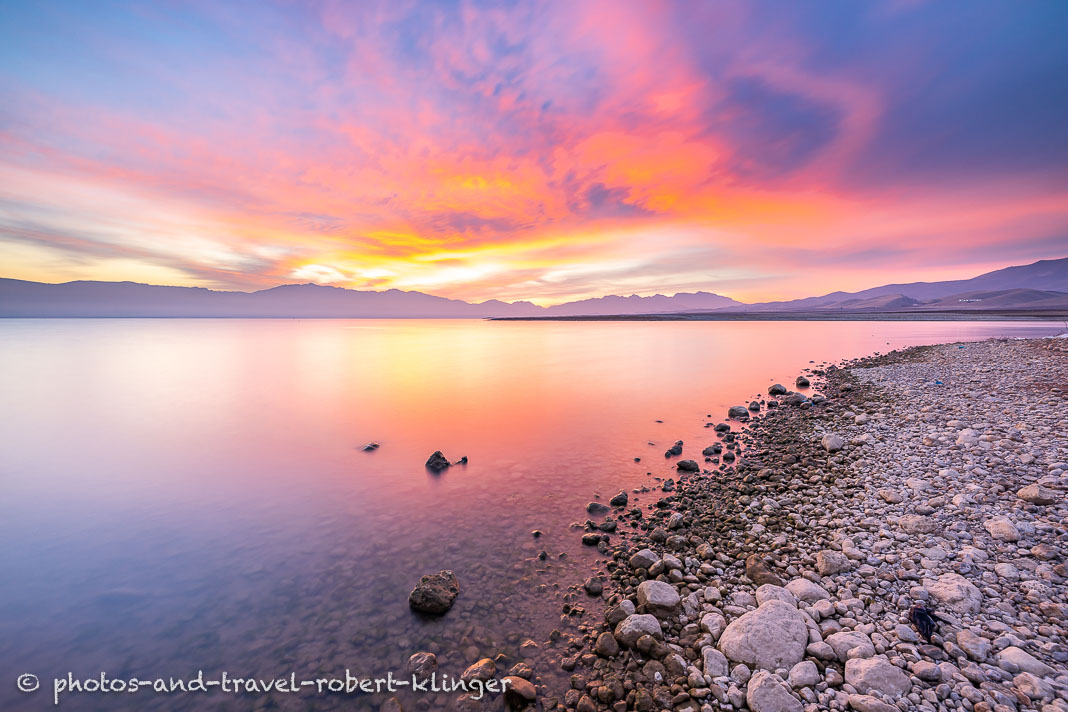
{"x": 931, "y": 477}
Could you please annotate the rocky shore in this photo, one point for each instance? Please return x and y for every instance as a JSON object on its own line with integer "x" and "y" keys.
{"x": 782, "y": 574}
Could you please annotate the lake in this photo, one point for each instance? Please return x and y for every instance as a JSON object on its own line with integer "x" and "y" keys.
{"x": 192, "y": 494}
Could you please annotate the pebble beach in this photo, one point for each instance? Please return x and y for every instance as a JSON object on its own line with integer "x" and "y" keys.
{"x": 780, "y": 569}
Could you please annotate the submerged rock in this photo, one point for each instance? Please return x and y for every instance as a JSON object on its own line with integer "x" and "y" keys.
{"x": 435, "y": 593}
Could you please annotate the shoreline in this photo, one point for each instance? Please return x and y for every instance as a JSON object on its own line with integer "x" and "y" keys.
{"x": 948, "y": 315}
{"x": 931, "y": 475}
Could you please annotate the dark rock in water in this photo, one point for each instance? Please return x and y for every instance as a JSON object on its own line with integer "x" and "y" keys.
{"x": 536, "y": 533}
{"x": 370, "y": 447}
{"x": 688, "y": 466}
{"x": 777, "y": 390}
{"x": 423, "y": 664}
{"x": 759, "y": 572}
{"x": 710, "y": 451}
{"x": 597, "y": 508}
{"x": 437, "y": 462}
{"x": 435, "y": 593}
{"x": 754, "y": 406}
{"x": 728, "y": 456}
{"x": 794, "y": 399}
{"x": 593, "y": 586}
{"x": 722, "y": 428}
{"x": 620, "y": 500}
{"x": 802, "y": 382}
{"x": 675, "y": 450}
{"x": 461, "y": 461}
{"x": 591, "y": 539}
{"x": 637, "y": 459}
{"x": 518, "y": 692}
{"x": 738, "y": 411}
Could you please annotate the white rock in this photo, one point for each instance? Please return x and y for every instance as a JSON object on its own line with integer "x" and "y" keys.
{"x": 832, "y": 442}
{"x": 768, "y": 693}
{"x": 845, "y": 641}
{"x": 643, "y": 559}
{"x": 956, "y": 592}
{"x": 635, "y": 626}
{"x": 1024, "y": 661}
{"x": 1002, "y": 529}
{"x": 807, "y": 591}
{"x": 830, "y": 562}
{"x": 804, "y": 674}
{"x": 867, "y": 703}
{"x": 1034, "y": 687}
{"x": 876, "y": 674}
{"x": 771, "y": 592}
{"x": 771, "y": 637}
{"x": 1037, "y": 494}
{"x": 659, "y": 598}
{"x": 713, "y": 623}
{"x": 713, "y": 662}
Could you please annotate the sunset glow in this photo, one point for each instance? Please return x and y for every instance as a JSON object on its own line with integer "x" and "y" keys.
{"x": 537, "y": 151}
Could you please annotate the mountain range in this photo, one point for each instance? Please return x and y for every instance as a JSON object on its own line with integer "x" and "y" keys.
{"x": 1041, "y": 286}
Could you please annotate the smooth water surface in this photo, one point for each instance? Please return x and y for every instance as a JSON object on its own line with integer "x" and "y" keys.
{"x": 191, "y": 494}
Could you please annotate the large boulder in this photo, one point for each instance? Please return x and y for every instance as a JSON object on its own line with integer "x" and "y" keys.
{"x": 738, "y": 411}
{"x": 687, "y": 466}
{"x": 956, "y": 592}
{"x": 877, "y": 674}
{"x": 767, "y": 692}
{"x": 435, "y": 593}
{"x": 659, "y": 598}
{"x": 777, "y": 389}
{"x": 771, "y": 637}
{"x": 635, "y": 626}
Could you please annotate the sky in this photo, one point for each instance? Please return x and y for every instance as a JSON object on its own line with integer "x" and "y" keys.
{"x": 546, "y": 151}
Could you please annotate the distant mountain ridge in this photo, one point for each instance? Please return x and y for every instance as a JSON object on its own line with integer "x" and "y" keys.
{"x": 20, "y": 298}
{"x": 1040, "y": 285}
{"x": 1044, "y": 275}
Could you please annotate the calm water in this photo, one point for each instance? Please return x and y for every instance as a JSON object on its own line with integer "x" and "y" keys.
{"x": 191, "y": 494}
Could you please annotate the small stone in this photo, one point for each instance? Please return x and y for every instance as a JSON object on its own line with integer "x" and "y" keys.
{"x": 832, "y": 442}
{"x": 659, "y": 598}
{"x": 606, "y": 646}
{"x": 644, "y": 559}
{"x": 956, "y": 592}
{"x": 635, "y": 626}
{"x": 620, "y": 500}
{"x": 804, "y": 674}
{"x": 1037, "y": 494}
{"x": 483, "y": 670}
{"x": 767, "y": 692}
{"x": 876, "y": 674}
{"x": 830, "y": 562}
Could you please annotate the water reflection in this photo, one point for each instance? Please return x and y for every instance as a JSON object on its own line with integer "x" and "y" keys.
{"x": 187, "y": 494}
